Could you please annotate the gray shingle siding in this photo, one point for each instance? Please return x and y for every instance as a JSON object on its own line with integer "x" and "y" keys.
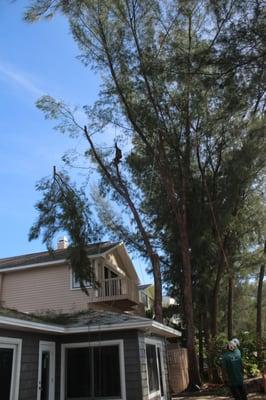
{"x": 134, "y": 358}
{"x": 143, "y": 366}
{"x": 29, "y": 361}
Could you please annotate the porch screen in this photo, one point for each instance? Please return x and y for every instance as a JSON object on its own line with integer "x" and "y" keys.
{"x": 93, "y": 373}
{"x": 152, "y": 368}
{"x": 6, "y": 361}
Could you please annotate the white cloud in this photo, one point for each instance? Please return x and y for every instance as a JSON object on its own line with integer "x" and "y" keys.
{"x": 20, "y": 78}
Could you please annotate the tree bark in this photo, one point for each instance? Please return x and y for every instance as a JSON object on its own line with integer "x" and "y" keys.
{"x": 230, "y": 307}
{"x": 158, "y": 310}
{"x": 259, "y": 313}
{"x": 120, "y": 187}
{"x": 194, "y": 376}
{"x": 206, "y": 325}
{"x": 215, "y": 296}
{"x": 201, "y": 357}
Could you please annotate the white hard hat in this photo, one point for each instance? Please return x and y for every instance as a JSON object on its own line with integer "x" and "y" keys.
{"x": 236, "y": 341}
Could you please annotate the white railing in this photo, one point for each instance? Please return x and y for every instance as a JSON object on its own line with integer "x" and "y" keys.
{"x": 116, "y": 289}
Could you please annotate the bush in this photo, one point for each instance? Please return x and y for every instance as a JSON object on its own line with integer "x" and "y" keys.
{"x": 249, "y": 354}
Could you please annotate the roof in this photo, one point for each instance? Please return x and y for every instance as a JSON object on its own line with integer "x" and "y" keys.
{"x": 143, "y": 287}
{"x": 94, "y": 249}
{"x": 84, "y": 321}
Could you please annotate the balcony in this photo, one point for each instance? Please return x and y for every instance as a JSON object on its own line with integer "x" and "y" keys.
{"x": 121, "y": 290}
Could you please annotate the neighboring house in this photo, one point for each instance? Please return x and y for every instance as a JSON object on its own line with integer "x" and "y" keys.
{"x": 146, "y": 296}
{"x": 65, "y": 345}
{"x": 168, "y": 301}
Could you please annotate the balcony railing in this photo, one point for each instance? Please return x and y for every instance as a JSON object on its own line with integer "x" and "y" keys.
{"x": 116, "y": 289}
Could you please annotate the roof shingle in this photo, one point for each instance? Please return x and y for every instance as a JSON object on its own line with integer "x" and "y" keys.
{"x": 56, "y": 255}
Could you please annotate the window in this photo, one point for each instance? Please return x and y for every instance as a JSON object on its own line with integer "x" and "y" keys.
{"x": 144, "y": 298}
{"x": 153, "y": 376}
{"x": 108, "y": 274}
{"x": 10, "y": 356}
{"x": 75, "y": 282}
{"x": 94, "y": 371}
{"x": 155, "y": 371}
{"x": 78, "y": 373}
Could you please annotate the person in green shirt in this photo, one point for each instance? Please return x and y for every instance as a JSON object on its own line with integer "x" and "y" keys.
{"x": 233, "y": 371}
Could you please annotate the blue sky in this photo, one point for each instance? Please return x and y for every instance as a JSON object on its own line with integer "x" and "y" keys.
{"x": 35, "y": 59}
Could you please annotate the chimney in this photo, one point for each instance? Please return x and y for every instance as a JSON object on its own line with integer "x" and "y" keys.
{"x": 62, "y": 243}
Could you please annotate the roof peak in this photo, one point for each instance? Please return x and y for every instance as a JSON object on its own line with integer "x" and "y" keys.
{"x": 53, "y": 255}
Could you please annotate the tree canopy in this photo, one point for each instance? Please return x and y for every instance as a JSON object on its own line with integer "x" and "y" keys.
{"x": 183, "y": 82}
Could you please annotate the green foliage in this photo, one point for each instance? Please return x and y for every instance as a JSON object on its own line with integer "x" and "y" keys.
{"x": 63, "y": 208}
{"x": 183, "y": 81}
{"x": 249, "y": 354}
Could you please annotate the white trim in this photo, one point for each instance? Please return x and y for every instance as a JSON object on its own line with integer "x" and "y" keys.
{"x": 16, "y": 345}
{"x": 150, "y": 325}
{"x": 119, "y": 343}
{"x": 47, "y": 346}
{"x": 36, "y": 265}
{"x": 114, "y": 268}
{"x": 108, "y": 251}
{"x": 157, "y": 344}
{"x": 29, "y": 325}
{"x": 72, "y": 279}
{"x": 47, "y": 263}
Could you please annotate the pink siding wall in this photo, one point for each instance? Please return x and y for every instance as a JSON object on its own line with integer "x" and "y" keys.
{"x": 40, "y": 289}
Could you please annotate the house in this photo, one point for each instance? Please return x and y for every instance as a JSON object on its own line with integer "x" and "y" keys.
{"x": 168, "y": 301}
{"x": 64, "y": 345}
{"x": 45, "y": 281}
{"x": 146, "y": 296}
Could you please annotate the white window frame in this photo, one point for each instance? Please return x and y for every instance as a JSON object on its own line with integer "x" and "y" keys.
{"x": 119, "y": 343}
{"x": 75, "y": 285}
{"x": 50, "y": 347}
{"x": 16, "y": 345}
{"x": 157, "y": 345}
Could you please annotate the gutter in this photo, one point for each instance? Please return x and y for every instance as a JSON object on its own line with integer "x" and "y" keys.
{"x": 150, "y": 326}
{"x": 29, "y": 266}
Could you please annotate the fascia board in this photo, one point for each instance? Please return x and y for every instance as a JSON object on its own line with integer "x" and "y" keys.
{"x": 152, "y": 326}
{"x": 30, "y": 325}
{"x": 36, "y": 265}
{"x": 51, "y": 263}
{"x": 103, "y": 254}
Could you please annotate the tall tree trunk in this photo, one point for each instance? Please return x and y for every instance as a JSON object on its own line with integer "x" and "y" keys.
{"x": 259, "y": 313}
{"x": 213, "y": 325}
{"x": 179, "y": 211}
{"x": 120, "y": 187}
{"x": 201, "y": 357}
{"x": 194, "y": 376}
{"x": 158, "y": 310}
{"x": 230, "y": 307}
{"x": 206, "y": 326}
{"x": 215, "y": 297}
{"x": 222, "y": 263}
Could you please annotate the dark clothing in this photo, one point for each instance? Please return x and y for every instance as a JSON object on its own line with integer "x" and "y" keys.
{"x": 232, "y": 363}
{"x": 239, "y": 392}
